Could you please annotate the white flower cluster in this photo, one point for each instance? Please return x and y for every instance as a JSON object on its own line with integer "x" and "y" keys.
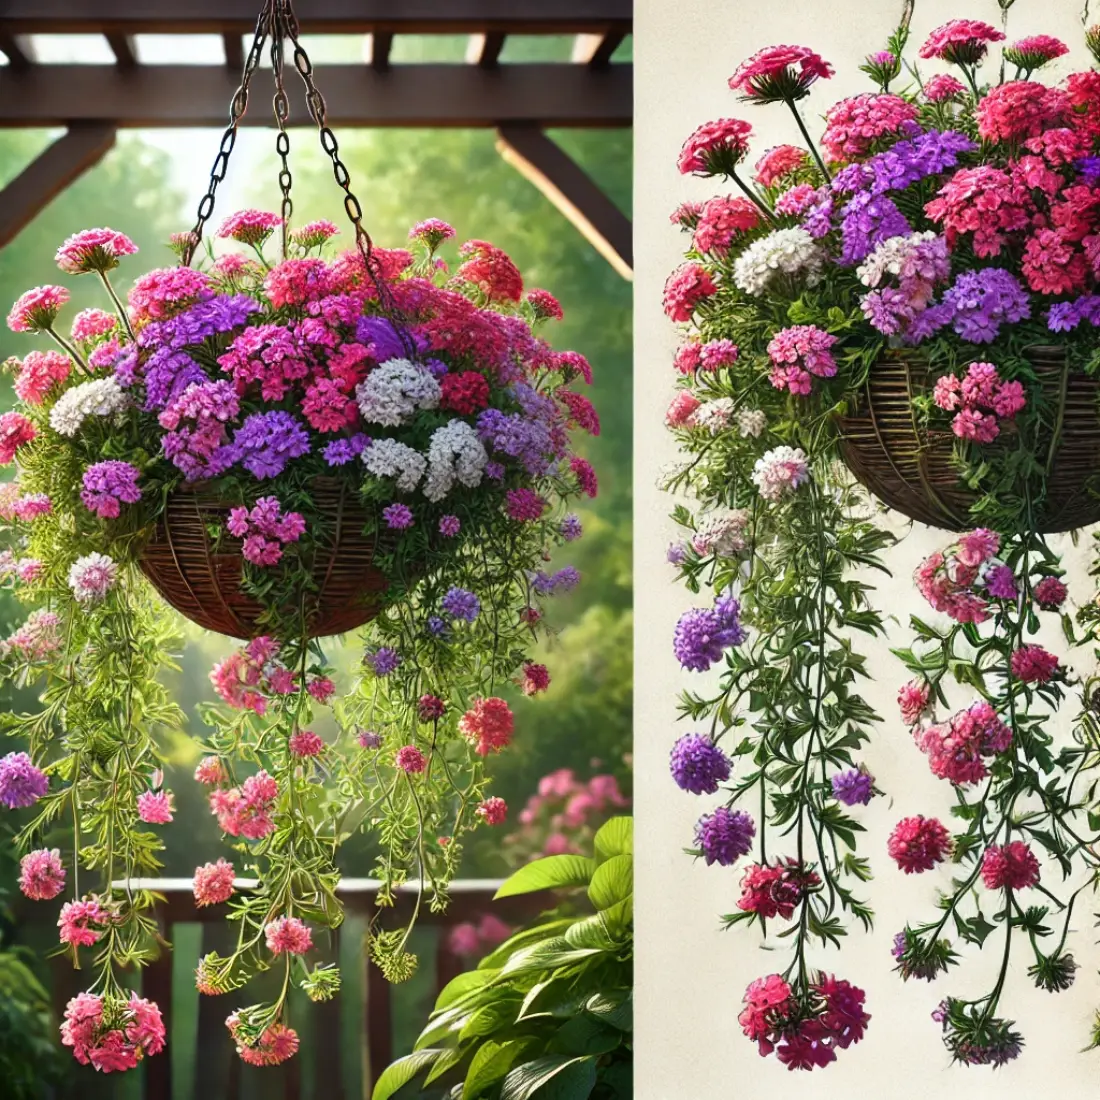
{"x": 454, "y": 454}
{"x": 389, "y": 458}
{"x": 92, "y": 577}
{"x": 784, "y": 252}
{"x": 780, "y": 471}
{"x": 393, "y": 392}
{"x": 721, "y": 533}
{"x": 100, "y": 397}
{"x": 714, "y": 415}
{"x": 751, "y": 422}
{"x": 889, "y": 257}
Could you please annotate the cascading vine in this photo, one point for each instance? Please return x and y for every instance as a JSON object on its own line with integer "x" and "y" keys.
{"x": 914, "y": 299}
{"x": 285, "y": 448}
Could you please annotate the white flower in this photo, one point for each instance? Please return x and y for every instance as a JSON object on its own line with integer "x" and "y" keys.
{"x": 92, "y": 577}
{"x": 393, "y": 392}
{"x": 751, "y": 422}
{"x": 454, "y": 454}
{"x": 713, "y": 415}
{"x": 389, "y": 458}
{"x": 100, "y": 397}
{"x": 780, "y": 471}
{"x": 721, "y": 533}
{"x": 783, "y": 252}
{"x": 889, "y": 257}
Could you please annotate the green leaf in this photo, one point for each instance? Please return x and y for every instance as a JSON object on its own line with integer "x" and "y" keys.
{"x": 585, "y": 1034}
{"x": 462, "y": 985}
{"x": 615, "y": 838}
{"x": 590, "y": 932}
{"x": 618, "y": 1011}
{"x": 447, "y": 1061}
{"x": 403, "y": 1071}
{"x": 570, "y": 1078}
{"x": 551, "y": 873}
{"x": 612, "y": 883}
{"x": 545, "y": 956}
{"x": 491, "y": 1062}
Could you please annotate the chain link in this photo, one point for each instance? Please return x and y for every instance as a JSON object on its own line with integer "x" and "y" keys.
{"x": 281, "y": 106}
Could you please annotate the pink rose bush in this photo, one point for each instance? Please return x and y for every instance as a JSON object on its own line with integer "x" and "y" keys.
{"x": 948, "y": 221}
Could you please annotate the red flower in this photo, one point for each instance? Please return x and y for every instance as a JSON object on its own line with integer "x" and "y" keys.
{"x": 918, "y": 843}
{"x": 1012, "y": 866}
{"x": 464, "y": 393}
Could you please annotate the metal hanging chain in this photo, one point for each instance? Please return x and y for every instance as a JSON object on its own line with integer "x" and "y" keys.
{"x": 281, "y": 106}
{"x": 237, "y": 108}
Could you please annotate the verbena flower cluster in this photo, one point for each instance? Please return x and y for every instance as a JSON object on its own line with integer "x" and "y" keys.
{"x": 435, "y": 405}
{"x": 950, "y": 222}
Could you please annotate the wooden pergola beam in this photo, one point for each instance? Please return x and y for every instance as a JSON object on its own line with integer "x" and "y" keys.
{"x": 233, "y": 46}
{"x": 379, "y": 44}
{"x": 81, "y": 147}
{"x": 318, "y": 16}
{"x": 551, "y": 95}
{"x": 122, "y": 46}
{"x": 483, "y": 50}
{"x": 18, "y": 49}
{"x": 596, "y": 49}
{"x": 571, "y": 190}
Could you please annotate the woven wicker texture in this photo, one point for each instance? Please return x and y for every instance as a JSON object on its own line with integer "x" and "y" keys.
{"x": 204, "y": 586}
{"x": 909, "y": 468}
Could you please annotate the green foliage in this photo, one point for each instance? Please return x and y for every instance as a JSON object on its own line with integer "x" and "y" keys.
{"x": 30, "y": 1059}
{"x": 546, "y": 1016}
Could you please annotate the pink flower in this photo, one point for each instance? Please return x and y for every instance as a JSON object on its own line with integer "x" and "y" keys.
{"x": 306, "y": 743}
{"x": 1010, "y": 866}
{"x": 76, "y": 920}
{"x": 155, "y": 807}
{"x": 41, "y": 371}
{"x": 853, "y": 125}
{"x": 313, "y": 234}
{"x": 685, "y": 288}
{"x": 779, "y": 162}
{"x": 410, "y": 760}
{"x": 975, "y": 426}
{"x": 961, "y": 41}
{"x": 1050, "y": 593}
{"x": 94, "y": 250}
{"x": 1020, "y": 109}
{"x": 430, "y": 708}
{"x": 41, "y": 875}
{"x": 1035, "y": 50}
{"x": 491, "y": 270}
{"x": 913, "y": 701}
{"x": 137, "y": 1031}
{"x": 37, "y": 309}
{"x": 1052, "y": 265}
{"x": 213, "y": 883}
{"x": 494, "y": 811}
{"x": 799, "y": 352}
{"x": 942, "y": 87}
{"x": 524, "y": 505}
{"x": 29, "y": 570}
{"x": 489, "y": 723}
{"x": 210, "y": 771}
{"x": 715, "y": 148}
{"x": 535, "y": 678}
{"x": 957, "y": 749}
{"x": 288, "y": 934}
{"x": 166, "y": 291}
{"x": 544, "y": 305}
{"x": 918, "y": 843}
{"x": 432, "y": 231}
{"x": 1031, "y": 664}
{"x": 246, "y": 810}
{"x": 721, "y": 220}
{"x": 797, "y": 200}
{"x": 275, "y": 1046}
{"x": 15, "y": 430}
{"x": 321, "y": 688}
{"x": 767, "y": 1001}
{"x": 251, "y": 227}
{"x": 296, "y": 282}
{"x": 492, "y": 930}
{"x": 682, "y": 409}
{"x": 463, "y": 940}
{"x": 779, "y": 72}
{"x": 984, "y": 201}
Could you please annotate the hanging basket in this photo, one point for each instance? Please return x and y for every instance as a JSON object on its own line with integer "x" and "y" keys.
{"x": 204, "y": 585}
{"x": 909, "y": 467}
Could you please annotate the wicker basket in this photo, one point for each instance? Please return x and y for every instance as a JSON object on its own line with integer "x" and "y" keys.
{"x": 205, "y": 586}
{"x": 909, "y": 467}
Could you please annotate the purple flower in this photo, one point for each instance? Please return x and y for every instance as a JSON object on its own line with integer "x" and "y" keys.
{"x": 449, "y": 526}
{"x": 384, "y": 660}
{"x": 1000, "y": 582}
{"x": 342, "y": 451}
{"x": 676, "y": 554}
{"x": 460, "y": 603}
{"x": 531, "y": 441}
{"x": 571, "y": 528}
{"x": 867, "y": 220}
{"x": 436, "y": 626}
{"x": 368, "y": 739}
{"x": 698, "y": 765}
{"x": 398, "y": 516}
{"x": 108, "y": 485}
{"x": 494, "y": 471}
{"x": 1065, "y": 316}
{"x": 725, "y": 835}
{"x": 267, "y": 441}
{"x": 382, "y": 338}
{"x": 854, "y": 787}
{"x": 550, "y": 584}
{"x": 982, "y": 301}
{"x": 1089, "y": 167}
{"x": 703, "y": 634}
{"x": 21, "y": 783}
{"x": 167, "y": 373}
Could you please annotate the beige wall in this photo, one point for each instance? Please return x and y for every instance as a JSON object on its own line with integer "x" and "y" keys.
{"x": 690, "y": 975}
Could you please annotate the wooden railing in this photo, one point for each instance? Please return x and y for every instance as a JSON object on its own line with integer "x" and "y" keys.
{"x": 345, "y": 1043}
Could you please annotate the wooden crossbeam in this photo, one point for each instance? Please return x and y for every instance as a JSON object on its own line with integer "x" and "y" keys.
{"x": 81, "y": 147}
{"x": 484, "y": 49}
{"x": 572, "y": 191}
{"x": 233, "y": 46}
{"x": 378, "y": 46}
{"x": 596, "y": 49}
{"x": 317, "y": 16}
{"x": 18, "y": 49}
{"x": 122, "y": 46}
{"x": 551, "y": 95}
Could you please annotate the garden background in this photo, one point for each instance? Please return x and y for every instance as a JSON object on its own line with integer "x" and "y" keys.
{"x": 148, "y": 187}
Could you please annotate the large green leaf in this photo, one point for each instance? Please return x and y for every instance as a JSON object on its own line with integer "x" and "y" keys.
{"x": 551, "y": 1078}
{"x": 546, "y": 956}
{"x": 551, "y": 873}
{"x": 612, "y": 883}
{"x": 459, "y": 987}
{"x": 590, "y": 932}
{"x": 447, "y": 1061}
{"x": 489, "y": 1017}
{"x": 614, "y": 1009}
{"x": 491, "y": 1062}
{"x": 403, "y": 1071}
{"x": 585, "y": 1034}
{"x": 525, "y": 938}
{"x": 615, "y": 838}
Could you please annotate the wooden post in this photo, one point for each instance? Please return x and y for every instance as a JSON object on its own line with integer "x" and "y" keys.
{"x": 379, "y": 1023}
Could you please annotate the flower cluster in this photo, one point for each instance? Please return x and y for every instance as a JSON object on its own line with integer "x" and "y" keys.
{"x": 980, "y": 401}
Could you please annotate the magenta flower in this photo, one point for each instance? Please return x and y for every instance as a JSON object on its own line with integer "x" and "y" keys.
{"x": 94, "y": 250}
{"x": 779, "y": 73}
{"x": 715, "y": 148}
{"x": 37, "y": 309}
